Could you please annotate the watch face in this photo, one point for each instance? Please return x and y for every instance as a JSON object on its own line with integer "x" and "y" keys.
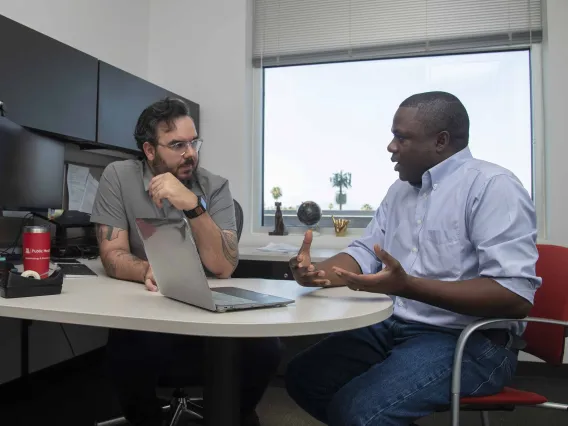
{"x": 201, "y": 202}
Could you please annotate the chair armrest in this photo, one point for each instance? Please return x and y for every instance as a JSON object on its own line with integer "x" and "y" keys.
{"x": 460, "y": 346}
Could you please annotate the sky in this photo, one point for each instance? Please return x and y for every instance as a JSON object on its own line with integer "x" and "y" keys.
{"x": 320, "y": 119}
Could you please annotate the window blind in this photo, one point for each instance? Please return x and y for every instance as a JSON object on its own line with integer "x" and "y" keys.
{"x": 292, "y": 32}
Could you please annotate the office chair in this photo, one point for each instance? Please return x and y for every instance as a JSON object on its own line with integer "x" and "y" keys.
{"x": 545, "y": 337}
{"x": 239, "y": 218}
{"x": 180, "y": 402}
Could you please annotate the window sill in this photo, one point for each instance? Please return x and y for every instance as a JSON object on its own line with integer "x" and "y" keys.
{"x": 324, "y": 239}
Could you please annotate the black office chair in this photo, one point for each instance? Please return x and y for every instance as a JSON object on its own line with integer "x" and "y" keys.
{"x": 239, "y": 217}
{"x": 181, "y": 403}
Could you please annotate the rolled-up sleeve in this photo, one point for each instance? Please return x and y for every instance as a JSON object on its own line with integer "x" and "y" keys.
{"x": 502, "y": 228}
{"x": 362, "y": 249}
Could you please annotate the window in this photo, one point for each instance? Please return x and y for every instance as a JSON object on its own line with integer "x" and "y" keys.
{"x": 324, "y": 119}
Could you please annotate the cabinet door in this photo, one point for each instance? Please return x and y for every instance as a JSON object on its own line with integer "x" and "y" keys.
{"x": 45, "y": 84}
{"x": 122, "y": 98}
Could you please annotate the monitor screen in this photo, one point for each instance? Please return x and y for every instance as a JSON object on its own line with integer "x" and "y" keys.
{"x": 31, "y": 169}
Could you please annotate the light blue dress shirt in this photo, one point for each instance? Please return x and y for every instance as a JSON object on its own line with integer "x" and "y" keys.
{"x": 469, "y": 219}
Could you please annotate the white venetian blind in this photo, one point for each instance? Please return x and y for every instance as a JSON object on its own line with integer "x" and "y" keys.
{"x": 291, "y": 32}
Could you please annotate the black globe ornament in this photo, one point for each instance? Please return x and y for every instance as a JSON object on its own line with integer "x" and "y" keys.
{"x": 309, "y": 213}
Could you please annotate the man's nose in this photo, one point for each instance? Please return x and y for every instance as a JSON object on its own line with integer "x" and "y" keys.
{"x": 189, "y": 151}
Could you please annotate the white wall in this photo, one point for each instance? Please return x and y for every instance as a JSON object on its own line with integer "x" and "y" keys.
{"x": 115, "y": 31}
{"x": 198, "y": 49}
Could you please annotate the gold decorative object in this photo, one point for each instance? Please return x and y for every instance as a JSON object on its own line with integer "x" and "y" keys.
{"x": 340, "y": 226}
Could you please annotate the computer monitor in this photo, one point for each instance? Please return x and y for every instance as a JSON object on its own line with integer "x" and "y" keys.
{"x": 31, "y": 169}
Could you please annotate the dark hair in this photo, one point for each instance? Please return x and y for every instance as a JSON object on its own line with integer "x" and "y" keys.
{"x": 440, "y": 111}
{"x": 164, "y": 111}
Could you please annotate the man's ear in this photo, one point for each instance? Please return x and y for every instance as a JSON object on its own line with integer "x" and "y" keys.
{"x": 149, "y": 150}
{"x": 442, "y": 141}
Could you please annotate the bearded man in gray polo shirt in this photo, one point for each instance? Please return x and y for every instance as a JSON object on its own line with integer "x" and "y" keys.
{"x": 169, "y": 183}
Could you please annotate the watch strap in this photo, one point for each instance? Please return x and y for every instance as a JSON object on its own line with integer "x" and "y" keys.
{"x": 197, "y": 211}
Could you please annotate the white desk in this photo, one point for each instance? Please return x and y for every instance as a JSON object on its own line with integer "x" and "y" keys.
{"x": 252, "y": 253}
{"x": 105, "y": 302}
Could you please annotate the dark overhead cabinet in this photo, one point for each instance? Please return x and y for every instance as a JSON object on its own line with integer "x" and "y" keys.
{"x": 49, "y": 86}
{"x": 122, "y": 97}
{"x": 45, "y": 84}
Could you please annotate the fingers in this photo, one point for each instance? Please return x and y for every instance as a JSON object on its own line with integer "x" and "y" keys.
{"x": 149, "y": 280}
{"x": 150, "y": 285}
{"x": 155, "y": 190}
{"x": 156, "y": 186}
{"x": 155, "y": 180}
{"x": 310, "y": 276}
{"x": 306, "y": 244}
{"x": 300, "y": 261}
{"x": 157, "y": 197}
{"x": 385, "y": 257}
{"x": 320, "y": 283}
{"x": 313, "y": 274}
{"x": 308, "y": 273}
{"x": 315, "y": 283}
{"x": 356, "y": 280}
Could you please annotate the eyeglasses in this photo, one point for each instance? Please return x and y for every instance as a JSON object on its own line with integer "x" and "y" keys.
{"x": 181, "y": 147}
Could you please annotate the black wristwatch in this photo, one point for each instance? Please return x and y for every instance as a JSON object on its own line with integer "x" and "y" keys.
{"x": 197, "y": 211}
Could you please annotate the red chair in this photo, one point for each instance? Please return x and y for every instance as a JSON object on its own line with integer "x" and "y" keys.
{"x": 545, "y": 337}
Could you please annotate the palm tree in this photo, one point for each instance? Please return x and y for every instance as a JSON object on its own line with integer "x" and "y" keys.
{"x": 341, "y": 180}
{"x": 276, "y": 193}
{"x": 367, "y": 207}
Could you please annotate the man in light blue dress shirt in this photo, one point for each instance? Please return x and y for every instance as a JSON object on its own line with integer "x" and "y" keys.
{"x": 454, "y": 240}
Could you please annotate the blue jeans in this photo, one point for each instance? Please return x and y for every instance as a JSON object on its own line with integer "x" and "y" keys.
{"x": 393, "y": 373}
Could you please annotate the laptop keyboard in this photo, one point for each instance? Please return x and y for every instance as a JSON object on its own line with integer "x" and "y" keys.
{"x": 226, "y": 299}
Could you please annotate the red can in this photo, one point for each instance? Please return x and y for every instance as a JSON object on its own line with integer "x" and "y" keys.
{"x": 36, "y": 249}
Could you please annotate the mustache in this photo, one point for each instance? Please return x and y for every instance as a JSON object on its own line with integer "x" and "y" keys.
{"x": 186, "y": 162}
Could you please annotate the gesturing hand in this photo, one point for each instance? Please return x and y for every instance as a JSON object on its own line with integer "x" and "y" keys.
{"x": 392, "y": 279}
{"x": 305, "y": 273}
{"x": 167, "y": 186}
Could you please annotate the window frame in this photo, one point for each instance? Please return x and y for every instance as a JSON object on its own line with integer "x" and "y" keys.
{"x": 537, "y": 151}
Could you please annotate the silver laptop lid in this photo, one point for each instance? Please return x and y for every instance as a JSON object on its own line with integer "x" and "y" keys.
{"x": 175, "y": 261}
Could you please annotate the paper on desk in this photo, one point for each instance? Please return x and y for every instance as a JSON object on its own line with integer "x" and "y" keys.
{"x": 82, "y": 187}
{"x": 279, "y": 248}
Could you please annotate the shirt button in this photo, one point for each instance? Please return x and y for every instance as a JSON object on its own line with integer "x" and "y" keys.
{"x": 419, "y": 221}
{"x": 435, "y": 186}
{"x": 414, "y": 249}
{"x": 425, "y": 195}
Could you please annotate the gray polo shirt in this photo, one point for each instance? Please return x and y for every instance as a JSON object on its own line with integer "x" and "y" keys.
{"x": 123, "y": 196}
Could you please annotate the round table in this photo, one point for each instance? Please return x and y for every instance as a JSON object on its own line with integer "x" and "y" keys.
{"x": 105, "y": 302}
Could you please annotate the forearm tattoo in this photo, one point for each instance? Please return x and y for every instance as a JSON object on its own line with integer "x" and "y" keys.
{"x": 230, "y": 244}
{"x": 107, "y": 233}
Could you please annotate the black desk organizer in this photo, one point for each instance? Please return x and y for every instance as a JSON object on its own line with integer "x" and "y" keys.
{"x": 13, "y": 285}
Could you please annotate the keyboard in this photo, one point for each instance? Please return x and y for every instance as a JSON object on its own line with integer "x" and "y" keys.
{"x": 226, "y": 299}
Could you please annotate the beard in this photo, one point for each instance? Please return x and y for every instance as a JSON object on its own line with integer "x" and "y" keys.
{"x": 159, "y": 167}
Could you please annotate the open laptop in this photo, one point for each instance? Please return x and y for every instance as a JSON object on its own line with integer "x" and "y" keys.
{"x": 179, "y": 274}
